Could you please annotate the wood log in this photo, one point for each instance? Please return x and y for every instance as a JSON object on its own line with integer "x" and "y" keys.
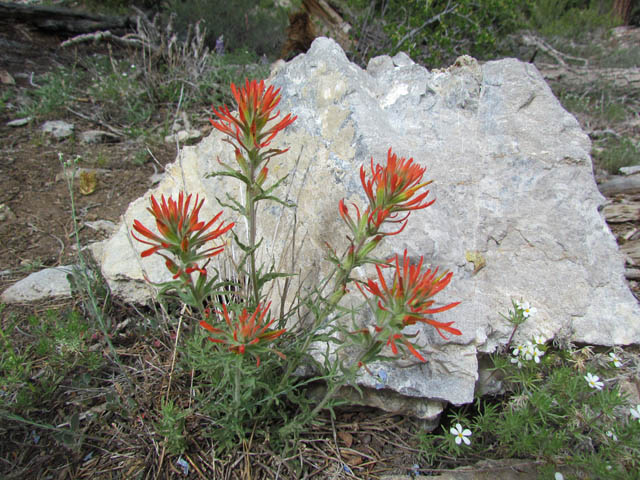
{"x": 632, "y": 251}
{"x": 62, "y": 20}
{"x": 627, "y": 79}
{"x": 618, "y": 184}
{"x": 329, "y": 22}
{"x": 621, "y": 212}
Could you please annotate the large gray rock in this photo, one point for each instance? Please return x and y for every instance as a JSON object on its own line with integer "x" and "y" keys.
{"x": 514, "y": 187}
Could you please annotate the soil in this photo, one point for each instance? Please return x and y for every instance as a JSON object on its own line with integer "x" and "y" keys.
{"x": 39, "y": 231}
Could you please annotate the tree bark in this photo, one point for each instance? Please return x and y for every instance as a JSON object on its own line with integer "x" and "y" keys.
{"x": 622, "y": 9}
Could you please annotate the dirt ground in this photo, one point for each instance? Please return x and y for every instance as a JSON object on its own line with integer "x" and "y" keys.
{"x": 38, "y": 230}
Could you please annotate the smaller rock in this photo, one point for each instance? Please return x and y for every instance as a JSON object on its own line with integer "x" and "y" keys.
{"x": 58, "y": 128}
{"x": 105, "y": 226}
{"x": 5, "y": 213}
{"x": 632, "y": 170}
{"x": 183, "y": 136}
{"x": 6, "y": 78}
{"x": 79, "y": 172}
{"x": 401, "y": 59}
{"x": 50, "y": 282}
{"x": 19, "y": 122}
{"x": 98, "y": 136}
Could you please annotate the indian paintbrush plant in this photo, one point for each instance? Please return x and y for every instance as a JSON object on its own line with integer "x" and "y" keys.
{"x": 246, "y": 377}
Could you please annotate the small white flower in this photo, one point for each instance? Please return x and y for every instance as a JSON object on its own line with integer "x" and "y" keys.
{"x": 517, "y": 361}
{"x": 558, "y": 476}
{"x": 518, "y": 350}
{"x": 461, "y": 435}
{"x": 635, "y": 412}
{"x": 538, "y": 340}
{"x": 612, "y": 435}
{"x": 537, "y": 354}
{"x": 528, "y": 351}
{"x": 527, "y": 310}
{"x": 594, "y": 381}
{"x": 617, "y": 362}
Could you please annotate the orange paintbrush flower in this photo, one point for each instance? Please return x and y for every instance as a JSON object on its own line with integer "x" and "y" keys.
{"x": 255, "y": 109}
{"x": 247, "y": 333}
{"x": 394, "y": 187}
{"x": 409, "y": 300}
{"x": 181, "y": 232}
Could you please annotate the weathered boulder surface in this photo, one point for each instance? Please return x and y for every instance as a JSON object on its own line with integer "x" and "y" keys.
{"x": 514, "y": 186}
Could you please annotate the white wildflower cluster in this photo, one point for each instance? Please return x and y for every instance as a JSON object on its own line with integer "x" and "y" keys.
{"x": 532, "y": 350}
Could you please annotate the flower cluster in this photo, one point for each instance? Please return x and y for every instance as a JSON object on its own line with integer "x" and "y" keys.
{"x": 407, "y": 301}
{"x": 183, "y": 240}
{"x": 246, "y": 333}
{"x": 526, "y": 309}
{"x": 392, "y": 191}
{"x": 249, "y": 131}
{"x": 181, "y": 232}
{"x": 528, "y": 351}
{"x": 521, "y": 312}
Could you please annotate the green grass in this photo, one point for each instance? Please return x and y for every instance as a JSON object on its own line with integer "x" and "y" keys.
{"x": 612, "y": 153}
{"x": 564, "y": 19}
{"x": 603, "y": 110}
{"x": 54, "y": 91}
{"x": 132, "y": 97}
{"x": 38, "y": 353}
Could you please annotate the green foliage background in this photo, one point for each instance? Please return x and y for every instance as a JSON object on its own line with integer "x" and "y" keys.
{"x": 435, "y": 32}
{"x": 257, "y": 26}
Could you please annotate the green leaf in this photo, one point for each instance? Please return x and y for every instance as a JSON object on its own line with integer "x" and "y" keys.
{"x": 262, "y": 279}
{"x": 230, "y": 173}
{"x": 236, "y": 207}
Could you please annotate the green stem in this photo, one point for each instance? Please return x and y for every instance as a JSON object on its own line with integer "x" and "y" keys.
{"x": 334, "y": 387}
{"x": 236, "y": 374}
{"x": 253, "y": 162}
{"x": 333, "y": 300}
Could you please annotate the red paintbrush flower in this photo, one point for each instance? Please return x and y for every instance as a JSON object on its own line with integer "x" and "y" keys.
{"x": 409, "y": 300}
{"x": 181, "y": 232}
{"x": 246, "y": 333}
{"x": 255, "y": 109}
{"x": 394, "y": 186}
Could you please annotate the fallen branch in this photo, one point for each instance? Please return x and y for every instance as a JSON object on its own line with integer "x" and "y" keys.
{"x": 623, "y": 78}
{"x": 115, "y": 131}
{"x": 95, "y": 37}
{"x": 620, "y": 184}
{"x": 632, "y": 274}
{"x": 531, "y": 40}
